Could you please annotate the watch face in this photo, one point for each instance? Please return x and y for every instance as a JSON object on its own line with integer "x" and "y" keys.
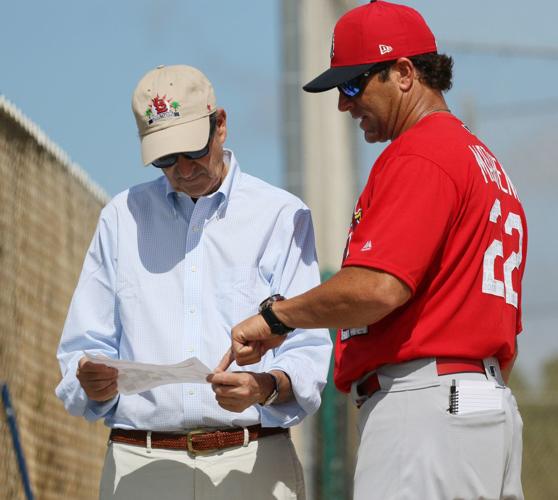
{"x": 270, "y": 300}
{"x": 275, "y": 325}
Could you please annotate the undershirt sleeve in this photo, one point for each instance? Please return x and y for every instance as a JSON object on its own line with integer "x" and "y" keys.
{"x": 405, "y": 219}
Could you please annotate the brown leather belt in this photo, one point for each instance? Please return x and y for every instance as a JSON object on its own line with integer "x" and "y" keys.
{"x": 444, "y": 366}
{"x": 197, "y": 441}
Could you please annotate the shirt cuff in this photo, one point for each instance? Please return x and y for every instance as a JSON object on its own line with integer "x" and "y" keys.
{"x": 76, "y": 402}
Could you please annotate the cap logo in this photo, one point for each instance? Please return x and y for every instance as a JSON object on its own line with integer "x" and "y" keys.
{"x": 385, "y": 49}
{"x": 160, "y": 108}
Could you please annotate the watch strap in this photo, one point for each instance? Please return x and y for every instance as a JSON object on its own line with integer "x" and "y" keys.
{"x": 274, "y": 393}
{"x": 276, "y": 326}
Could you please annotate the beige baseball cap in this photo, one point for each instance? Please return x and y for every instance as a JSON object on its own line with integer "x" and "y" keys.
{"x": 172, "y": 105}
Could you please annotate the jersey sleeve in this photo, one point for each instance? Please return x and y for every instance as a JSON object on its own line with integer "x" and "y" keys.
{"x": 405, "y": 219}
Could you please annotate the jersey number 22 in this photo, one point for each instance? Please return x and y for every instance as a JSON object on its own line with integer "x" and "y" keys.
{"x": 490, "y": 284}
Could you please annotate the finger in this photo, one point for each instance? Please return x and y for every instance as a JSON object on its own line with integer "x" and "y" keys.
{"x": 229, "y": 391}
{"x": 244, "y": 352}
{"x": 104, "y": 395}
{"x": 97, "y": 391}
{"x": 249, "y": 355}
{"x": 235, "y": 408}
{"x": 98, "y": 386}
{"x": 232, "y": 404}
{"x": 105, "y": 375}
{"x": 233, "y": 379}
{"x": 225, "y": 362}
{"x": 221, "y": 391}
{"x": 89, "y": 367}
{"x": 86, "y": 366}
{"x": 96, "y": 377}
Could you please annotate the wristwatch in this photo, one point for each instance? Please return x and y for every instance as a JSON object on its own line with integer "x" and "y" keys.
{"x": 274, "y": 394}
{"x": 276, "y": 326}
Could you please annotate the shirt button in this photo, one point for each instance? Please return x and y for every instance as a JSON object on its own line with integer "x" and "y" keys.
{"x": 192, "y": 310}
{"x": 191, "y": 392}
{"x": 193, "y": 269}
{"x": 189, "y": 349}
{"x": 195, "y": 229}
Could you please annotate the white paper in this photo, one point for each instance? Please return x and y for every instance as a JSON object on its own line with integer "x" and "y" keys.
{"x": 134, "y": 377}
{"x": 478, "y": 395}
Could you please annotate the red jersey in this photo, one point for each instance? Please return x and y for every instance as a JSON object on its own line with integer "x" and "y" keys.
{"x": 441, "y": 214}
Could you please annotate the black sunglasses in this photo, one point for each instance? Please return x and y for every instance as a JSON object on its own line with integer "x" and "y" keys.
{"x": 354, "y": 86}
{"x": 170, "y": 160}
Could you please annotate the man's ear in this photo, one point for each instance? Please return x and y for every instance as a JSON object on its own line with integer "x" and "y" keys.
{"x": 405, "y": 73}
{"x": 221, "y": 128}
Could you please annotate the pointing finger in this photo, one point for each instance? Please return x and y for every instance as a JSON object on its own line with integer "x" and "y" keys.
{"x": 225, "y": 362}
{"x": 223, "y": 365}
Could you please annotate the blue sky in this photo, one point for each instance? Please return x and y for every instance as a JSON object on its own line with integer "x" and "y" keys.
{"x": 71, "y": 68}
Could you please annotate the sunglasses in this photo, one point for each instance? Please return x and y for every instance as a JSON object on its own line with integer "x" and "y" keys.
{"x": 354, "y": 86}
{"x": 170, "y": 160}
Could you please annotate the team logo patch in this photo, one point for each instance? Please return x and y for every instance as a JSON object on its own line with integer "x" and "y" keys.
{"x": 366, "y": 247}
{"x": 347, "y": 333}
{"x": 385, "y": 49}
{"x": 161, "y": 108}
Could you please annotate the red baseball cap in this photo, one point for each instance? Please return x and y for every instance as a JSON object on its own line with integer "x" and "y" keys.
{"x": 372, "y": 33}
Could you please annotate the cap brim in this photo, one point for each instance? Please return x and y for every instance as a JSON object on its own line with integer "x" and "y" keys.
{"x": 190, "y": 136}
{"x": 333, "y": 77}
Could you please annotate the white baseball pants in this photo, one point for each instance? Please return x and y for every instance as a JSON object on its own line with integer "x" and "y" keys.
{"x": 411, "y": 447}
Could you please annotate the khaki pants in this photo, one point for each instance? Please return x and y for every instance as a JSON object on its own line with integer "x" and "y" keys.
{"x": 412, "y": 448}
{"x": 266, "y": 469}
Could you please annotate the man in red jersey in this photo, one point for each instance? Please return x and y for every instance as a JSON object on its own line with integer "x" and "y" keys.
{"x": 428, "y": 300}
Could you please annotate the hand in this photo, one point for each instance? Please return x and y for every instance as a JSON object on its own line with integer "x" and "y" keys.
{"x": 251, "y": 339}
{"x": 98, "y": 380}
{"x": 239, "y": 390}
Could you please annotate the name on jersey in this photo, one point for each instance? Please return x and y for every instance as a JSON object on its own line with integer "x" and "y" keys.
{"x": 347, "y": 333}
{"x": 490, "y": 171}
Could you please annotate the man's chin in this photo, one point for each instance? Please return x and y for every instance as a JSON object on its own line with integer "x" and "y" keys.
{"x": 372, "y": 137}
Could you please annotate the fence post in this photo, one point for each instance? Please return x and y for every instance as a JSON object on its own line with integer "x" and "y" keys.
{"x": 10, "y": 417}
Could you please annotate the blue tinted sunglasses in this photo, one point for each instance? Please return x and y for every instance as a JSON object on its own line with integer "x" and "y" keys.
{"x": 354, "y": 86}
{"x": 170, "y": 160}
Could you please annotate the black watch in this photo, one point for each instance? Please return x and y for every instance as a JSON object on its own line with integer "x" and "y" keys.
{"x": 276, "y": 326}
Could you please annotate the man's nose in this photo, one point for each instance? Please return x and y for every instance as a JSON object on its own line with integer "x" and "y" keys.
{"x": 344, "y": 103}
{"x": 184, "y": 165}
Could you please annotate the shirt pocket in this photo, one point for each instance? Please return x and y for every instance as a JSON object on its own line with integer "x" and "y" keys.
{"x": 241, "y": 291}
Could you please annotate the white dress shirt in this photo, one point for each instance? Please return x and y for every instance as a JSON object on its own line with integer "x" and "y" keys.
{"x": 165, "y": 279}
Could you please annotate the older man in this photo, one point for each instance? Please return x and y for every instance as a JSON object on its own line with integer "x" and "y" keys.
{"x": 428, "y": 300}
{"x": 173, "y": 265}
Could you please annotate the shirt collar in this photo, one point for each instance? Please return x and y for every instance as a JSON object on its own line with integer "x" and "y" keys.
{"x": 224, "y": 191}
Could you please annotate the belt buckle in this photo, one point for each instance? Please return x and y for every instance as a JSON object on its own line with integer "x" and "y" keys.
{"x": 190, "y": 444}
